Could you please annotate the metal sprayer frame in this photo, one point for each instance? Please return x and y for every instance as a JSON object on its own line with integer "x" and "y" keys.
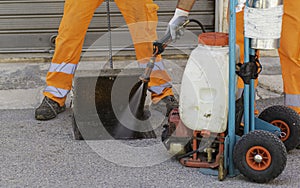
{"x": 249, "y": 90}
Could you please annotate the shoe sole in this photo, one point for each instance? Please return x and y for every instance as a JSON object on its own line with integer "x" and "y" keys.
{"x": 44, "y": 118}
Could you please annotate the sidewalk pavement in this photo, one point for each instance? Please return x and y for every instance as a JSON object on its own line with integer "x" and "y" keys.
{"x": 21, "y": 84}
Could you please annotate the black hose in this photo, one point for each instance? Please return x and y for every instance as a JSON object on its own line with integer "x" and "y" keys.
{"x": 199, "y": 23}
{"x": 187, "y": 154}
{"x": 207, "y": 144}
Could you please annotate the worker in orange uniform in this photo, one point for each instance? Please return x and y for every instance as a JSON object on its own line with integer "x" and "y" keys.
{"x": 141, "y": 18}
{"x": 289, "y": 53}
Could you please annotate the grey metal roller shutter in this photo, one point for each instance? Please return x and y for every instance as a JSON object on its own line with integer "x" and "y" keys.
{"x": 29, "y": 25}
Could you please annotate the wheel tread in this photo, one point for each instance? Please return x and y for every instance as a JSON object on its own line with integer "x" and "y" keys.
{"x": 270, "y": 142}
{"x": 288, "y": 115}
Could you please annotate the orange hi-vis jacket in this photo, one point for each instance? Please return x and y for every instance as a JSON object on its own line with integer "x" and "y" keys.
{"x": 141, "y": 18}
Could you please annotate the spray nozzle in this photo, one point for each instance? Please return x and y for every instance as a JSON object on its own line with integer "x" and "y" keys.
{"x": 145, "y": 77}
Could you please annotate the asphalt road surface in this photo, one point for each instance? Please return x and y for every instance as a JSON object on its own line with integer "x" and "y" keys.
{"x": 45, "y": 154}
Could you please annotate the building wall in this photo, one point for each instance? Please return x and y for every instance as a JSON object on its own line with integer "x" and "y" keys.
{"x": 31, "y": 25}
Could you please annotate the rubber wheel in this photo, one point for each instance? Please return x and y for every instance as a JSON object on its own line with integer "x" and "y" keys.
{"x": 287, "y": 120}
{"x": 76, "y": 132}
{"x": 260, "y": 156}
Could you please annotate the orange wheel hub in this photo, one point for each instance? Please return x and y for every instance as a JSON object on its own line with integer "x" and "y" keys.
{"x": 283, "y": 127}
{"x": 258, "y": 158}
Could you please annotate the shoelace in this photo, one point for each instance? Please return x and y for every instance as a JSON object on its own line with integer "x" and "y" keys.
{"x": 50, "y": 106}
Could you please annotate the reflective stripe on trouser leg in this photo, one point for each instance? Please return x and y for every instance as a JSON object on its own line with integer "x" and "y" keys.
{"x": 239, "y": 92}
{"x": 160, "y": 82}
{"x": 67, "y": 68}
{"x": 57, "y": 92}
{"x": 68, "y": 45}
{"x": 289, "y": 53}
{"x": 141, "y": 18}
{"x": 292, "y": 100}
{"x": 159, "y": 89}
{"x": 61, "y": 75}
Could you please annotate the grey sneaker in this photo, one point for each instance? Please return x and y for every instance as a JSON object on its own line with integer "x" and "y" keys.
{"x": 166, "y": 105}
{"x": 48, "y": 109}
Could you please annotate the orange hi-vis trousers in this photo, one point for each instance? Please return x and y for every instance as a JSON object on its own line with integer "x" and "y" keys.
{"x": 289, "y": 53}
{"x": 141, "y": 18}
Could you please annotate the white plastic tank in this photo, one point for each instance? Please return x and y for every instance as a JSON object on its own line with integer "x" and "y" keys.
{"x": 203, "y": 103}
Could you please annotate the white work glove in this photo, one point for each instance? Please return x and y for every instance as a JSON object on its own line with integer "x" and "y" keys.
{"x": 178, "y": 19}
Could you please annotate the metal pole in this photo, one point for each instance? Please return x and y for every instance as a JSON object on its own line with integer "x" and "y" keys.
{"x": 246, "y": 87}
{"x": 109, "y": 35}
{"x": 252, "y": 98}
{"x": 249, "y": 90}
{"x": 232, "y": 85}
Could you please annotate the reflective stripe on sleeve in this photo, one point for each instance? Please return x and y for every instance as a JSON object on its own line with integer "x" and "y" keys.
{"x": 57, "y": 92}
{"x": 67, "y": 68}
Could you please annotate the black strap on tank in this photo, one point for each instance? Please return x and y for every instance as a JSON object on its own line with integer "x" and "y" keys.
{"x": 250, "y": 70}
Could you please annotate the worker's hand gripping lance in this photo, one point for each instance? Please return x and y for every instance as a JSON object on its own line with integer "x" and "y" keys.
{"x": 158, "y": 47}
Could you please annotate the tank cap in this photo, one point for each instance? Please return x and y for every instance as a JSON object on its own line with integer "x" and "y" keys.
{"x": 213, "y": 39}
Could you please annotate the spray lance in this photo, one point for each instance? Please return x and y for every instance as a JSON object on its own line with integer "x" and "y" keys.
{"x": 141, "y": 87}
{"x": 158, "y": 47}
